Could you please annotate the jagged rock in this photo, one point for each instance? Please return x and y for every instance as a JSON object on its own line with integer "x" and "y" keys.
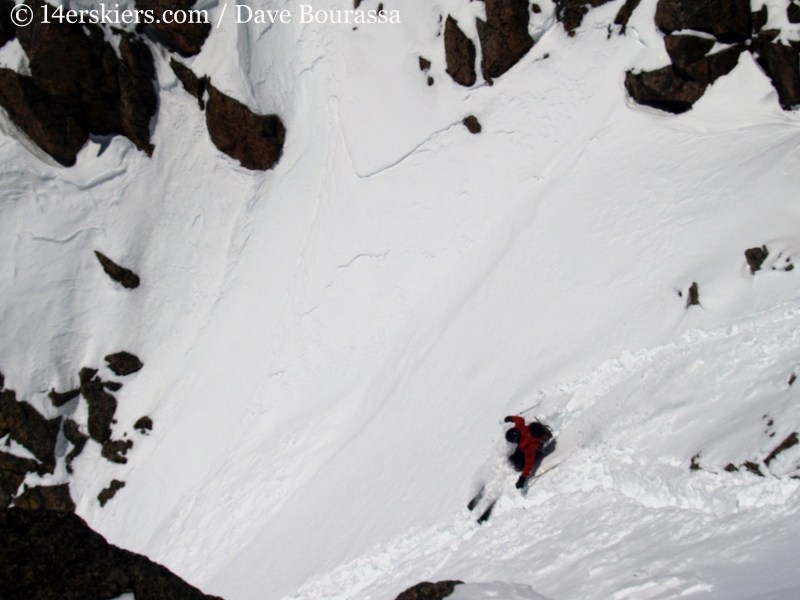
{"x": 138, "y": 100}
{"x": 51, "y": 555}
{"x": 113, "y": 450}
{"x": 693, "y": 298}
{"x": 108, "y": 493}
{"x": 112, "y": 386}
{"x": 429, "y": 591}
{"x": 123, "y": 363}
{"x": 472, "y": 123}
{"x": 683, "y": 50}
{"x": 782, "y": 65}
{"x": 196, "y": 86}
{"x": 728, "y": 20}
{"x": 760, "y": 18}
{"x": 424, "y": 64}
{"x": 624, "y": 14}
{"x": 504, "y": 36}
{"x": 664, "y": 89}
{"x": 7, "y": 27}
{"x": 185, "y": 38}
{"x": 714, "y": 66}
{"x": 793, "y": 12}
{"x": 52, "y": 497}
{"x": 29, "y": 428}
{"x": 12, "y": 473}
{"x": 430, "y": 80}
{"x": 102, "y": 407}
{"x": 755, "y": 257}
{"x": 256, "y": 141}
{"x": 570, "y": 12}
{"x": 753, "y": 468}
{"x": 459, "y": 53}
{"x": 536, "y": 8}
{"x": 126, "y": 277}
{"x": 61, "y": 398}
{"x": 144, "y": 424}
{"x": 85, "y": 375}
{"x": 76, "y": 438}
{"x": 52, "y": 126}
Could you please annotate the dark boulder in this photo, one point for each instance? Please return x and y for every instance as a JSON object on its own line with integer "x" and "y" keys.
{"x": 683, "y": 50}
{"x": 570, "y": 13}
{"x": 53, "y": 555}
{"x": 472, "y": 124}
{"x": 256, "y": 141}
{"x": 792, "y": 12}
{"x": 12, "y": 473}
{"x": 123, "y": 363}
{"x": 714, "y": 66}
{"x": 102, "y": 407}
{"x": 424, "y": 64}
{"x": 61, "y": 398}
{"x": 185, "y": 38}
{"x": 50, "y": 123}
{"x": 755, "y": 257}
{"x": 7, "y": 28}
{"x": 114, "y": 450}
{"x": 52, "y": 497}
{"x": 108, "y": 493}
{"x": 728, "y": 20}
{"x": 782, "y": 65}
{"x": 624, "y": 14}
{"x": 112, "y": 386}
{"x": 86, "y": 374}
{"x": 693, "y": 298}
{"x": 664, "y": 89}
{"x": 196, "y": 86}
{"x": 76, "y": 438}
{"x": 126, "y": 277}
{"x": 760, "y": 19}
{"x": 26, "y": 426}
{"x": 459, "y": 53}
{"x": 138, "y": 100}
{"x": 503, "y": 36}
{"x": 144, "y": 424}
{"x": 429, "y": 591}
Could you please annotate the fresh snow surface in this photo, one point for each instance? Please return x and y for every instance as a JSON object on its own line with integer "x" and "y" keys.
{"x": 330, "y": 347}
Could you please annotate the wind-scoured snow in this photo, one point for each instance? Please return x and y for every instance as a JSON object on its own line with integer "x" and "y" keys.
{"x": 330, "y": 347}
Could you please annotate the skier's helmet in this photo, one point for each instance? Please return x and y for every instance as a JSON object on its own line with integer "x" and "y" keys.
{"x": 512, "y": 435}
{"x": 538, "y": 430}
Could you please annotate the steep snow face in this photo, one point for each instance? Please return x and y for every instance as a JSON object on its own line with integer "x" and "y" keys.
{"x": 330, "y": 347}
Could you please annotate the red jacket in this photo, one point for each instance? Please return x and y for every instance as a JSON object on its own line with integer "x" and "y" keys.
{"x": 528, "y": 444}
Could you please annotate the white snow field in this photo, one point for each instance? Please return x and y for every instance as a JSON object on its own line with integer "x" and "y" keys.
{"x": 330, "y": 347}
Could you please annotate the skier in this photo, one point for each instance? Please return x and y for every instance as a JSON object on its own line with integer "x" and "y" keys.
{"x": 529, "y": 439}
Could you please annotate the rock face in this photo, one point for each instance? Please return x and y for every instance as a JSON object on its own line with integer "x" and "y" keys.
{"x": 123, "y": 363}
{"x": 126, "y": 277}
{"x": 459, "y": 53}
{"x": 12, "y": 473}
{"x": 570, "y": 12}
{"x": 102, "y": 407}
{"x": 625, "y": 13}
{"x": 504, "y": 36}
{"x": 683, "y": 50}
{"x": 76, "y": 438}
{"x": 94, "y": 91}
{"x": 755, "y": 257}
{"x": 52, "y": 555}
{"x": 114, "y": 450}
{"x": 793, "y": 12}
{"x": 29, "y": 428}
{"x": 256, "y": 141}
{"x": 60, "y": 399}
{"x": 193, "y": 84}
{"x": 52, "y": 497}
{"x": 7, "y": 27}
{"x": 186, "y": 38}
{"x": 429, "y": 591}
{"x": 108, "y": 493}
{"x": 782, "y": 65}
{"x": 728, "y": 20}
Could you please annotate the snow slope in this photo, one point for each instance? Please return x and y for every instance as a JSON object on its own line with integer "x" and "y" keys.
{"x": 330, "y": 347}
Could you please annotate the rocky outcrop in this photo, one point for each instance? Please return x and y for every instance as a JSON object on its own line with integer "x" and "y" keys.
{"x": 684, "y": 50}
{"x": 472, "y": 124}
{"x": 429, "y": 591}
{"x": 52, "y": 555}
{"x": 755, "y": 257}
{"x": 793, "y": 12}
{"x": 13, "y": 470}
{"x": 782, "y": 65}
{"x": 75, "y": 437}
{"x": 144, "y": 424}
{"x": 185, "y": 38}
{"x": 256, "y": 141}
{"x": 570, "y": 13}
{"x": 728, "y": 20}
{"x": 114, "y": 450}
{"x": 7, "y": 27}
{"x": 503, "y": 36}
{"x": 59, "y": 399}
{"x": 693, "y": 297}
{"x": 123, "y": 363}
{"x": 459, "y": 53}
{"x": 27, "y": 427}
{"x": 121, "y": 275}
{"x": 102, "y": 407}
{"x": 50, "y": 497}
{"x": 624, "y": 14}
{"x": 196, "y": 86}
{"x": 108, "y": 493}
